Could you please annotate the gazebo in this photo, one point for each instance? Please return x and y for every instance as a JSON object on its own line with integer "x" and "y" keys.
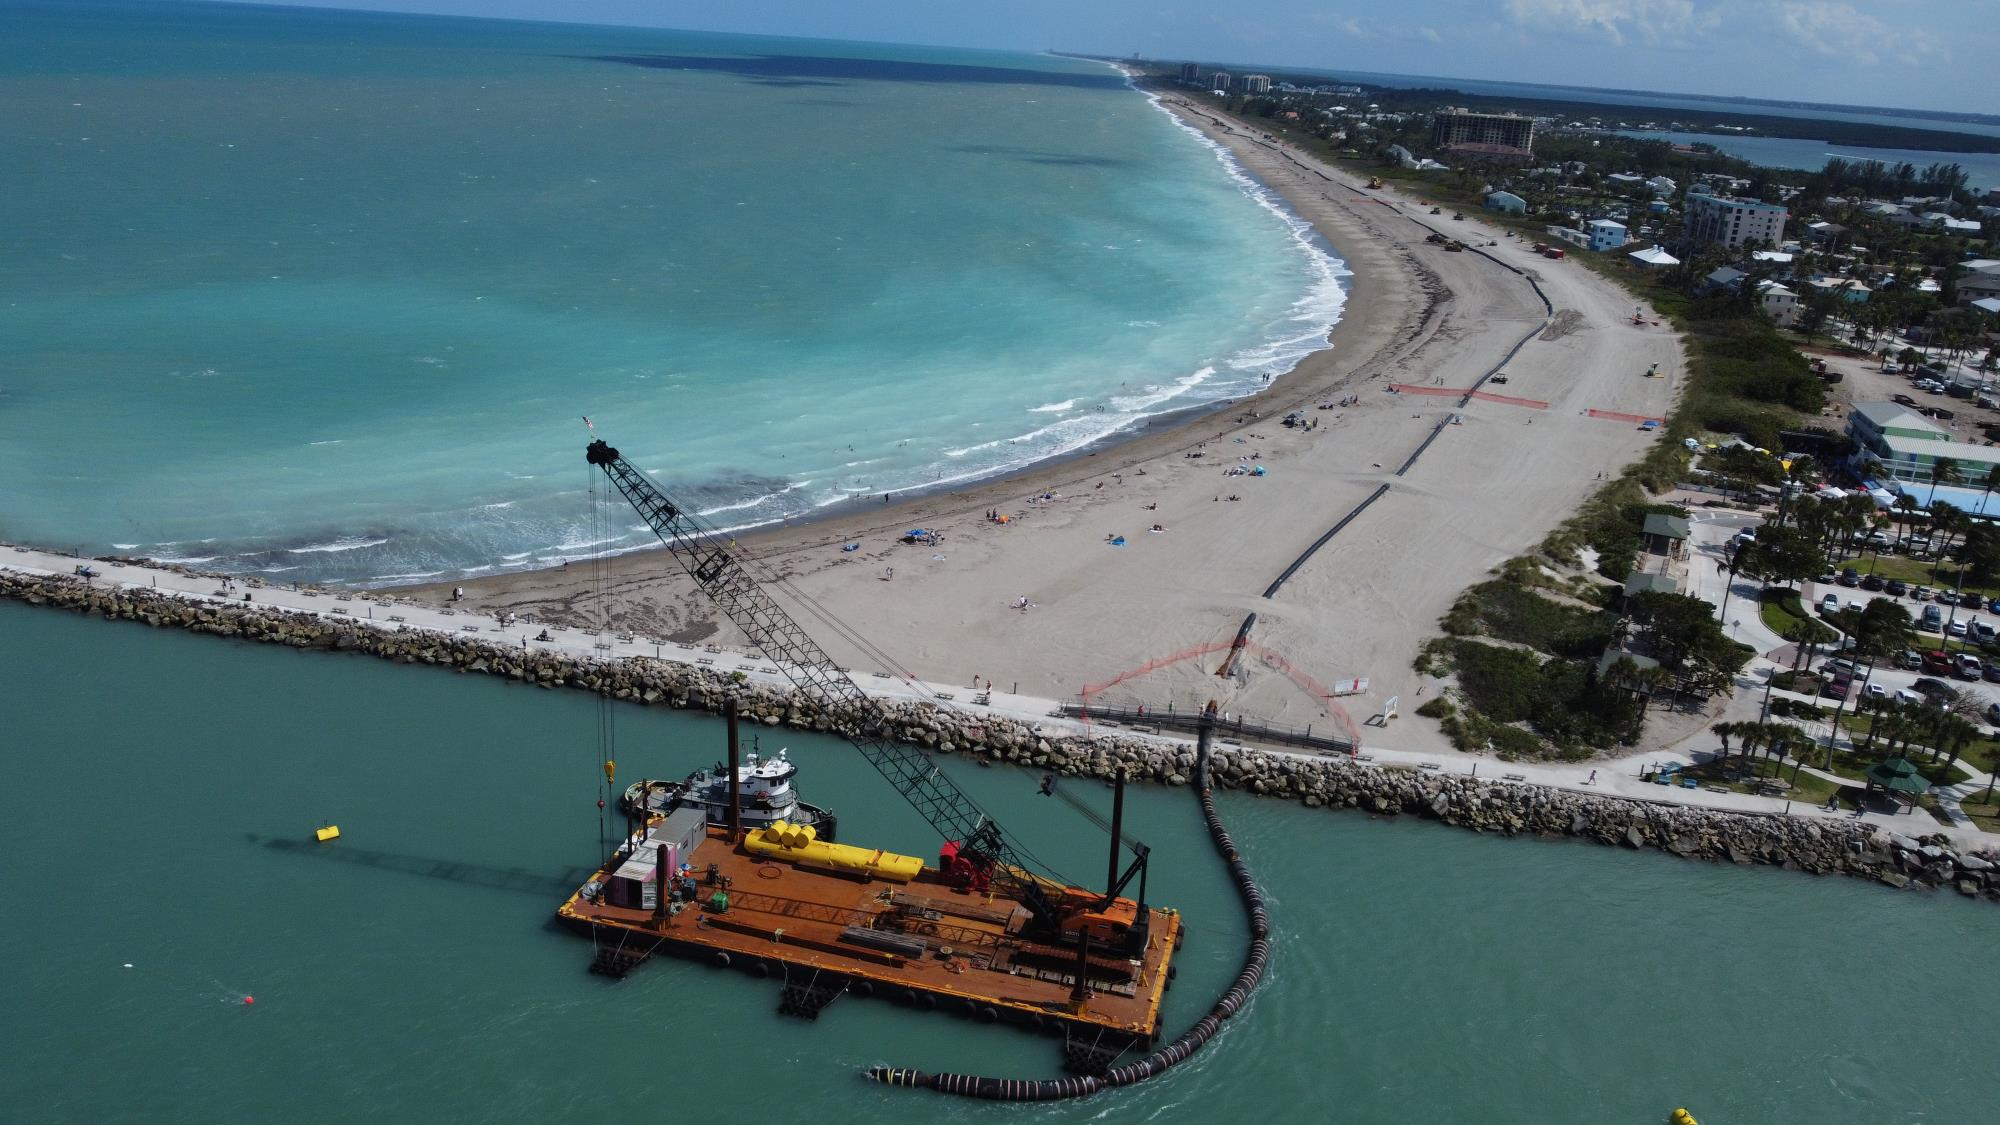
{"x": 1898, "y": 780}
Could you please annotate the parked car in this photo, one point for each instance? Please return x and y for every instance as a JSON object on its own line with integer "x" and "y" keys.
{"x": 1896, "y": 588}
{"x": 1957, "y": 629}
{"x": 1905, "y": 695}
{"x": 1967, "y": 666}
{"x": 1876, "y": 692}
{"x": 1993, "y": 713}
{"x": 1984, "y": 632}
{"x": 1910, "y": 659}
{"x": 1838, "y": 668}
{"x": 1873, "y": 582}
{"x": 1830, "y": 604}
{"x": 1932, "y": 619}
{"x": 1850, "y": 577}
{"x": 1937, "y": 662}
{"x": 1827, "y": 579}
{"x": 1940, "y": 694}
{"x": 1946, "y": 597}
{"x": 1921, "y": 593}
{"x": 1837, "y": 687}
{"x": 1991, "y": 673}
{"x": 1973, "y": 600}
{"x": 1879, "y": 539}
{"x": 1902, "y": 400}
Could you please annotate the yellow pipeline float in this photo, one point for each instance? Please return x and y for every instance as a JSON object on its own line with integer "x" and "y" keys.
{"x": 800, "y": 844}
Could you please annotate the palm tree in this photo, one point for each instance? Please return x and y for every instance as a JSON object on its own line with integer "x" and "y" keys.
{"x": 1907, "y": 505}
{"x": 1944, "y": 470}
{"x": 1987, "y": 484}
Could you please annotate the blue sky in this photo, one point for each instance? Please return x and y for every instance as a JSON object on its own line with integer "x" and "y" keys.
{"x": 1916, "y": 53}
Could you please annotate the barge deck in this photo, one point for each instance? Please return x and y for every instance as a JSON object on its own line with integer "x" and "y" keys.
{"x": 826, "y": 932}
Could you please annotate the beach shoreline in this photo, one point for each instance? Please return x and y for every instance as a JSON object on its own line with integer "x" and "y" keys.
{"x": 1150, "y": 615}
{"x": 1315, "y": 376}
{"x": 1128, "y": 569}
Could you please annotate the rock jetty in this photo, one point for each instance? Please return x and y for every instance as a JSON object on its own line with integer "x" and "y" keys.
{"x": 1810, "y": 844}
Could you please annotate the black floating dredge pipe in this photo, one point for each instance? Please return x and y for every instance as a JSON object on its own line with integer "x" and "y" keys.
{"x": 1175, "y": 1053}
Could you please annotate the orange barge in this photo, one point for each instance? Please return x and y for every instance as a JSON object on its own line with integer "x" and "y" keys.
{"x": 828, "y": 925}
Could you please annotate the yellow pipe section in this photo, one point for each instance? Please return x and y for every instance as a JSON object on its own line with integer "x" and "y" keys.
{"x": 800, "y": 844}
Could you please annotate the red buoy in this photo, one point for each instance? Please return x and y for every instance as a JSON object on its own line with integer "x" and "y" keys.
{"x": 249, "y": 999}
{"x": 600, "y": 803}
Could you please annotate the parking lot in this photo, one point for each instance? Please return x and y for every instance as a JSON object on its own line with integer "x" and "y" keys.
{"x": 1863, "y": 380}
{"x": 1973, "y": 674}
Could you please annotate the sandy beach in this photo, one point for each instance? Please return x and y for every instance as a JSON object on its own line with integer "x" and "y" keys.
{"x": 1150, "y": 621}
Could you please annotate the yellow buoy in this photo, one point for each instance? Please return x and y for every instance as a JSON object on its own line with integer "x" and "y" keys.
{"x": 330, "y": 832}
{"x": 610, "y": 771}
{"x": 1683, "y": 1117}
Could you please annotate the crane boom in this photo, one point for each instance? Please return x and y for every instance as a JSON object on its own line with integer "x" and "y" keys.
{"x": 983, "y": 851}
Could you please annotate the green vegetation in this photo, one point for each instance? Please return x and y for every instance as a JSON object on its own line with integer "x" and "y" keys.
{"x": 1782, "y": 611}
{"x": 1985, "y": 813}
{"x": 1935, "y": 573}
{"x": 1510, "y": 612}
{"x": 1510, "y": 692}
{"x": 1741, "y": 776}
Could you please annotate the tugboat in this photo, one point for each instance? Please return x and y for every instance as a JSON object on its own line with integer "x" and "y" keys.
{"x": 768, "y": 796}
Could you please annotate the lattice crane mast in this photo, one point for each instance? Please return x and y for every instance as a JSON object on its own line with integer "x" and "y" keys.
{"x": 977, "y": 852}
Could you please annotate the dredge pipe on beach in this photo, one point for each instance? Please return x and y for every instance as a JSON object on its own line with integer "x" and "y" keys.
{"x": 1271, "y": 591}
{"x": 1180, "y": 1050}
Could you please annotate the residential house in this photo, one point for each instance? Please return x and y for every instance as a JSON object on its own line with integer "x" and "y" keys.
{"x": 1779, "y": 303}
{"x": 1846, "y": 288}
{"x": 1653, "y": 258}
{"x": 1978, "y": 287}
{"x": 1605, "y": 234}
{"x": 1723, "y": 279}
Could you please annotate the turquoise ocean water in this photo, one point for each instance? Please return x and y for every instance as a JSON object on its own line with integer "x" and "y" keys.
{"x": 161, "y": 789}
{"x": 324, "y": 294}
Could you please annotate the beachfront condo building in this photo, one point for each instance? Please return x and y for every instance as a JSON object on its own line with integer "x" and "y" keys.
{"x": 1219, "y": 81}
{"x": 1190, "y": 72}
{"x": 1256, "y": 83}
{"x": 1506, "y": 136}
{"x": 1725, "y": 220}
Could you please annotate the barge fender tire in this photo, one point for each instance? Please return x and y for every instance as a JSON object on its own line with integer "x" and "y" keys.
{"x": 721, "y": 960}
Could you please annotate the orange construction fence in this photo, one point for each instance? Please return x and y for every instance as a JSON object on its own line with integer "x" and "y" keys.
{"x": 1483, "y": 396}
{"x": 1510, "y": 400}
{"x": 1620, "y": 416}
